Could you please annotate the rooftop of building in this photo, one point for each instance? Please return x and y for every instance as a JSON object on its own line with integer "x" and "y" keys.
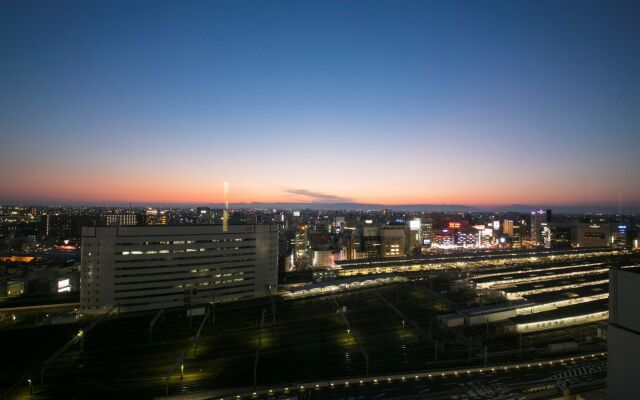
{"x": 515, "y": 269}
{"x": 590, "y": 307}
{"x": 635, "y": 269}
{"x": 525, "y": 287}
{"x": 548, "y": 273}
{"x": 568, "y": 294}
{"x": 151, "y": 230}
{"x": 505, "y": 306}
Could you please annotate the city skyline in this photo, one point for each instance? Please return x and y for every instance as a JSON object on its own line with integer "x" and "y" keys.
{"x": 478, "y": 104}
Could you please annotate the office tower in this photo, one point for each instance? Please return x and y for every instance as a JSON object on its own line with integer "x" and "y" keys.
{"x": 120, "y": 219}
{"x": 149, "y": 267}
{"x": 507, "y": 228}
{"x": 155, "y": 217}
{"x": 415, "y": 239}
{"x": 426, "y": 233}
{"x": 623, "y": 335}
{"x": 539, "y": 219}
{"x": 66, "y": 226}
{"x": 562, "y": 234}
{"x": 205, "y": 215}
{"x": 370, "y": 241}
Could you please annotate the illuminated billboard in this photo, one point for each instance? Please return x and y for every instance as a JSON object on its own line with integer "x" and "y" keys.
{"x": 64, "y": 285}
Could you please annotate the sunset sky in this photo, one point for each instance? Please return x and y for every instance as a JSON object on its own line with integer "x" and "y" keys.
{"x": 392, "y": 102}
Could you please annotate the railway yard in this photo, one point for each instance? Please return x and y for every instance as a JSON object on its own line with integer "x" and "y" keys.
{"x": 479, "y": 312}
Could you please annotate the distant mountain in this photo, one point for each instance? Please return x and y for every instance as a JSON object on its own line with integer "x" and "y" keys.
{"x": 591, "y": 209}
{"x": 347, "y": 206}
{"x": 354, "y": 206}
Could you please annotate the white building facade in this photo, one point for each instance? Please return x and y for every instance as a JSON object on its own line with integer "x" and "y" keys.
{"x": 149, "y": 267}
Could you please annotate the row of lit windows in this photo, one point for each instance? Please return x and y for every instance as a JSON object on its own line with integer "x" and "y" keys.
{"x": 224, "y": 282}
{"x": 177, "y": 251}
{"x": 146, "y": 276}
{"x": 165, "y": 242}
{"x": 171, "y": 285}
{"x": 211, "y": 264}
{"x": 181, "y": 258}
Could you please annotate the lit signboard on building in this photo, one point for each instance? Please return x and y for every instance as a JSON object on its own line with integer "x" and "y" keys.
{"x": 296, "y": 213}
{"x": 454, "y": 225}
{"x": 415, "y": 224}
{"x": 64, "y": 285}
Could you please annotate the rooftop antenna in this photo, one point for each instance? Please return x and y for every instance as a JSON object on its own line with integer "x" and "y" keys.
{"x": 225, "y": 212}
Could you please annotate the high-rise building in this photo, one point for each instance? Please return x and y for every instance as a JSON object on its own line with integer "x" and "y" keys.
{"x": 426, "y": 231}
{"x": 507, "y": 227}
{"x": 66, "y": 226}
{"x": 539, "y": 219}
{"x": 623, "y": 335}
{"x": 149, "y": 267}
{"x": 120, "y": 219}
{"x": 562, "y": 234}
{"x": 205, "y": 215}
{"x": 370, "y": 241}
{"x": 155, "y": 217}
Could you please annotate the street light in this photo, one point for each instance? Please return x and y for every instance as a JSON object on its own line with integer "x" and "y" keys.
{"x": 30, "y": 386}
{"x": 181, "y": 371}
{"x": 348, "y": 335}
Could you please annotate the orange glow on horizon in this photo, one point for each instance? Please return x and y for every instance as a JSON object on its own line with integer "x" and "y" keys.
{"x": 155, "y": 189}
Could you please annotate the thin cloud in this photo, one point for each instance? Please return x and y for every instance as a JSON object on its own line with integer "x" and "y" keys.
{"x": 318, "y": 196}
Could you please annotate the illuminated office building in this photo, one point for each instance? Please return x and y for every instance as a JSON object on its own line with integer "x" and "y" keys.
{"x": 370, "y": 241}
{"x": 539, "y": 220}
{"x": 155, "y": 217}
{"x": 149, "y": 267}
{"x": 121, "y": 219}
{"x": 507, "y": 228}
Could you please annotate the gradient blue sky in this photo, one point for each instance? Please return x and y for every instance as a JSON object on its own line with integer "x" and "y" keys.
{"x": 474, "y": 102}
